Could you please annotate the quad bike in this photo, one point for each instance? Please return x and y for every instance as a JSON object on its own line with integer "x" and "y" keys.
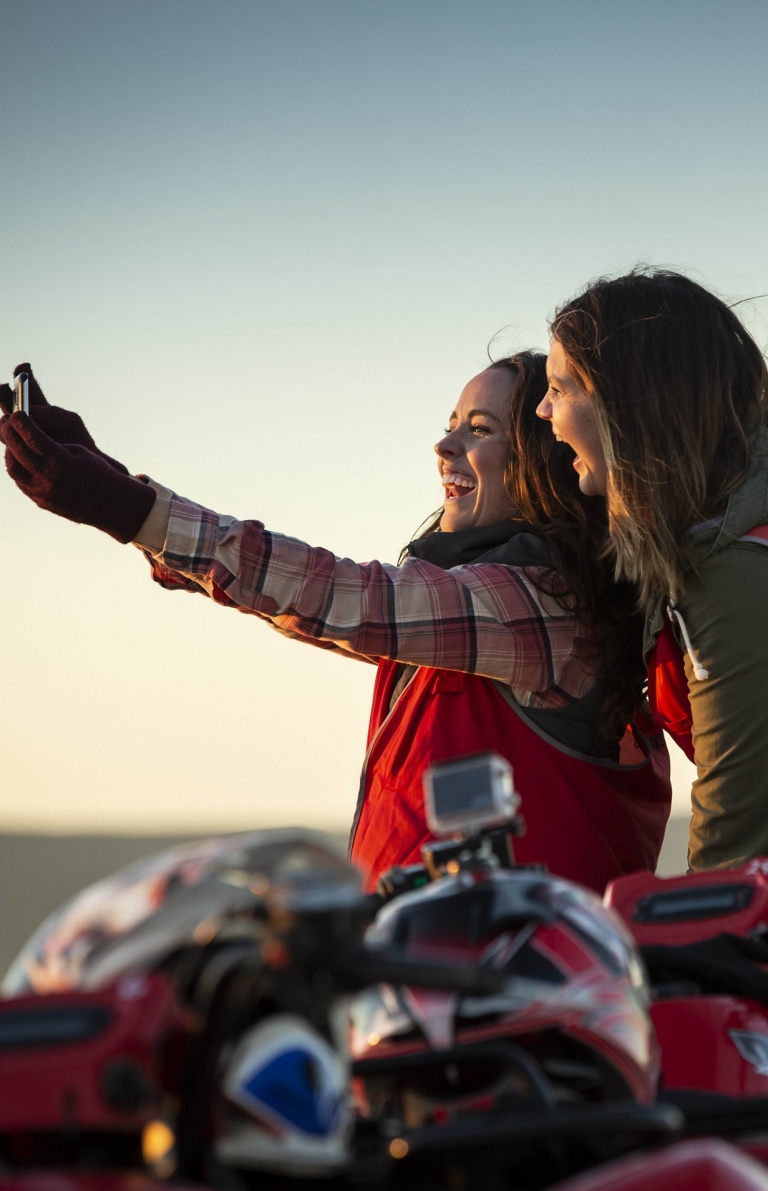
{"x": 235, "y": 1014}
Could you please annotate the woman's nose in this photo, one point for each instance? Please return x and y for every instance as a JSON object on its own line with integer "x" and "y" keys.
{"x": 448, "y": 446}
{"x": 544, "y": 408}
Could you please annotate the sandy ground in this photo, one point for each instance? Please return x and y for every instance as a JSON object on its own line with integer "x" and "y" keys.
{"x": 39, "y": 872}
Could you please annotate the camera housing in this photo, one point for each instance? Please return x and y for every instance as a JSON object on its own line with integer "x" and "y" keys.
{"x": 469, "y": 795}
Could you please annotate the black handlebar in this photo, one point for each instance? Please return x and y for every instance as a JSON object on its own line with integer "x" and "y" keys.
{"x": 370, "y": 967}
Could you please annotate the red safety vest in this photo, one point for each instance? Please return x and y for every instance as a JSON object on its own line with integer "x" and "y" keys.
{"x": 588, "y": 820}
{"x": 667, "y": 682}
{"x": 668, "y": 689}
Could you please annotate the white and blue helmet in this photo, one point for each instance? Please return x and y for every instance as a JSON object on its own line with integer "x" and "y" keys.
{"x": 291, "y": 1090}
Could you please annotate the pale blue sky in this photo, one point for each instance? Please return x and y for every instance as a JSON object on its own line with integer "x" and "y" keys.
{"x": 261, "y": 247}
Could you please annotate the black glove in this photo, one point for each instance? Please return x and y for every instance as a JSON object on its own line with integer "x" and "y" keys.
{"x": 62, "y": 425}
{"x": 73, "y": 482}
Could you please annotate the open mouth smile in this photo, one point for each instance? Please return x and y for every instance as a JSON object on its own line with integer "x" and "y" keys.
{"x": 576, "y": 460}
{"x": 457, "y": 486}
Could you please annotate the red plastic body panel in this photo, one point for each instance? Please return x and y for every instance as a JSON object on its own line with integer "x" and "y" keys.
{"x": 50, "y": 1180}
{"x": 705, "y": 1165}
{"x": 55, "y": 1085}
{"x": 697, "y": 1033}
{"x": 757, "y": 1147}
{"x": 624, "y": 893}
{"x": 698, "y": 1051}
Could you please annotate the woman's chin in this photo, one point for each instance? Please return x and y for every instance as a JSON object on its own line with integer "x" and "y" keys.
{"x": 590, "y": 484}
{"x": 454, "y": 519}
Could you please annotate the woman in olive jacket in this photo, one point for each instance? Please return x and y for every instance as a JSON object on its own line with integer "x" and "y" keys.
{"x": 661, "y": 391}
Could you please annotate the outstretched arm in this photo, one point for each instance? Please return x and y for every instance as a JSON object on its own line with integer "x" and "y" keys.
{"x": 486, "y": 618}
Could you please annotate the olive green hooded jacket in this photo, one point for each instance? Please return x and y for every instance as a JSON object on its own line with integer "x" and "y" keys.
{"x": 725, "y": 610}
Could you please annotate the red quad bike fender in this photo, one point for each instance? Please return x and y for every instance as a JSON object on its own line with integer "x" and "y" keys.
{"x": 706, "y": 1165}
{"x": 54, "y": 1180}
{"x": 717, "y": 1042}
{"x": 676, "y": 911}
{"x": 706, "y": 1044}
{"x": 86, "y": 1060}
{"x": 689, "y": 1166}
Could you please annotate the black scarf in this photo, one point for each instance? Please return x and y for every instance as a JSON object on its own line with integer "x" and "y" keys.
{"x": 514, "y": 543}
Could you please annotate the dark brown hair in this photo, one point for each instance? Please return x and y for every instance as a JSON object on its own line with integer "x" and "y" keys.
{"x": 543, "y": 485}
{"x": 678, "y": 386}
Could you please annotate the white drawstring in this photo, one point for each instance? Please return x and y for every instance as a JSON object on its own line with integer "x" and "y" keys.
{"x": 698, "y": 669}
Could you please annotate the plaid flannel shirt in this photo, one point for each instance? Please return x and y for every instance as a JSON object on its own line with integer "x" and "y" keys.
{"x": 484, "y": 618}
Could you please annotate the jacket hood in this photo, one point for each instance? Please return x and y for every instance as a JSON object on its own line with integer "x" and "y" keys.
{"x": 747, "y": 507}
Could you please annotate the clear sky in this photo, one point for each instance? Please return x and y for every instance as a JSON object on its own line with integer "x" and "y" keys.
{"x": 261, "y": 245}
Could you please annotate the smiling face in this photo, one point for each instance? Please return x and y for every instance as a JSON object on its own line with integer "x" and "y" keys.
{"x": 473, "y": 454}
{"x": 569, "y": 408}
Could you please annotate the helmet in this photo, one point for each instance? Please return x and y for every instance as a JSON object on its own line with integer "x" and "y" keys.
{"x": 273, "y": 1096}
{"x": 189, "y": 894}
{"x": 571, "y": 1025}
{"x": 284, "y": 1101}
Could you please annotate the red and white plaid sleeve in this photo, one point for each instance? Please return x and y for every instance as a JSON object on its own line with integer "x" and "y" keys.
{"x": 485, "y": 618}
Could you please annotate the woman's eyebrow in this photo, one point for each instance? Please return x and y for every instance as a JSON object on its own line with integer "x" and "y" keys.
{"x": 485, "y": 413}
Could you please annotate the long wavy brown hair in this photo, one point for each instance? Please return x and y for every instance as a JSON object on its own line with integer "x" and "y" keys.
{"x": 543, "y": 485}
{"x": 679, "y": 388}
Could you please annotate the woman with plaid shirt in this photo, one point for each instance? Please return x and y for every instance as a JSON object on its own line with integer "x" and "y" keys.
{"x": 500, "y": 629}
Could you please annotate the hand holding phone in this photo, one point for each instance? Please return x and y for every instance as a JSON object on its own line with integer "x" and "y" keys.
{"x": 62, "y": 425}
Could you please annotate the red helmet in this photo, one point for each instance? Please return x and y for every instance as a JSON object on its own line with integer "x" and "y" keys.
{"x": 571, "y": 1025}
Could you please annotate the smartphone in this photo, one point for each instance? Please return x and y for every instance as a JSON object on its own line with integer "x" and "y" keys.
{"x": 469, "y": 794}
{"x": 21, "y": 392}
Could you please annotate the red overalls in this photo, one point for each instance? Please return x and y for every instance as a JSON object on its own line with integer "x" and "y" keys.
{"x": 587, "y": 819}
{"x": 667, "y": 682}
